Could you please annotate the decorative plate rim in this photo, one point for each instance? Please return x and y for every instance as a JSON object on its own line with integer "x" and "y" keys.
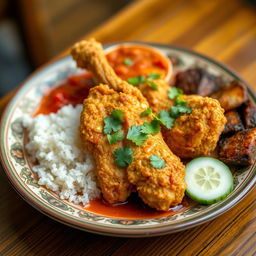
{"x": 125, "y": 231}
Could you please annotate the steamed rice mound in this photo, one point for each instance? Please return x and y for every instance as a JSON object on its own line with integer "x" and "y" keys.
{"x": 63, "y": 166}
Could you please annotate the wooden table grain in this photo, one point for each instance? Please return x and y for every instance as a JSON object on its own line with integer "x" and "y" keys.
{"x": 225, "y": 30}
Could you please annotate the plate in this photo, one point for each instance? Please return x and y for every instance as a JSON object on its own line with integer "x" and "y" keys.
{"x": 19, "y": 172}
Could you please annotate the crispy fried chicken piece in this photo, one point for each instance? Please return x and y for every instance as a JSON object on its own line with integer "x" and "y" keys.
{"x": 193, "y": 134}
{"x": 159, "y": 188}
{"x": 231, "y": 96}
{"x": 239, "y": 148}
{"x": 197, "y": 81}
{"x": 157, "y": 99}
{"x": 234, "y": 122}
{"x": 100, "y": 103}
{"x": 196, "y": 134}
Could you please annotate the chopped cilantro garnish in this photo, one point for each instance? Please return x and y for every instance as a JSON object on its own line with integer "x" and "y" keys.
{"x": 151, "y": 128}
{"x": 118, "y": 115}
{"x": 152, "y": 76}
{"x": 174, "y": 92}
{"x": 167, "y": 120}
{"x": 180, "y": 101}
{"x": 162, "y": 118}
{"x": 113, "y": 122}
{"x": 136, "y": 135}
{"x": 146, "y": 112}
{"x": 141, "y": 79}
{"x": 176, "y": 111}
{"x": 123, "y": 156}
{"x": 136, "y": 80}
{"x": 157, "y": 162}
{"x": 152, "y": 85}
{"x": 113, "y": 138}
{"x": 128, "y": 62}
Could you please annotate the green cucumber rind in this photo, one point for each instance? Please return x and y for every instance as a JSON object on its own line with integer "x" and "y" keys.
{"x": 210, "y": 201}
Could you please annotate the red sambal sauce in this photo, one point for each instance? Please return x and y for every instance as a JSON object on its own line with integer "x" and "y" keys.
{"x": 72, "y": 91}
{"x": 132, "y": 61}
{"x": 134, "y": 208}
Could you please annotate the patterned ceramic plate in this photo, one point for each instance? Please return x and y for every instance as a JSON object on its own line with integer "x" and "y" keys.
{"x": 18, "y": 168}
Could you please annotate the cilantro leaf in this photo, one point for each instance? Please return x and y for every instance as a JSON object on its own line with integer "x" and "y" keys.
{"x": 136, "y": 135}
{"x": 167, "y": 120}
{"x": 157, "y": 162}
{"x": 118, "y": 115}
{"x": 113, "y": 122}
{"x": 113, "y": 138}
{"x": 174, "y": 92}
{"x": 152, "y": 85}
{"x": 180, "y": 101}
{"x": 146, "y": 112}
{"x": 136, "y": 80}
{"x": 151, "y": 128}
{"x": 176, "y": 111}
{"x": 123, "y": 156}
{"x": 152, "y": 76}
{"x": 128, "y": 62}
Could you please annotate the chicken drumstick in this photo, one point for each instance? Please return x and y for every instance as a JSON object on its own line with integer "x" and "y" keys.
{"x": 159, "y": 188}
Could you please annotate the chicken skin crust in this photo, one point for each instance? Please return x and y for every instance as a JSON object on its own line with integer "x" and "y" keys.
{"x": 159, "y": 188}
{"x": 100, "y": 103}
{"x": 196, "y": 134}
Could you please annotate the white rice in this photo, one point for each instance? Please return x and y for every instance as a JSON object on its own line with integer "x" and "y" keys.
{"x": 64, "y": 167}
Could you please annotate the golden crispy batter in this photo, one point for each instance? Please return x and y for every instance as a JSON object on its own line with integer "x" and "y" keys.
{"x": 100, "y": 103}
{"x": 157, "y": 99}
{"x": 196, "y": 134}
{"x": 159, "y": 188}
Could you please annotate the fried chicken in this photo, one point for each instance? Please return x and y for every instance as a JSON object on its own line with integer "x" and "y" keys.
{"x": 159, "y": 188}
{"x": 100, "y": 103}
{"x": 195, "y": 134}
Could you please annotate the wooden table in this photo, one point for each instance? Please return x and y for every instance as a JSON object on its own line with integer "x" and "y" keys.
{"x": 225, "y": 30}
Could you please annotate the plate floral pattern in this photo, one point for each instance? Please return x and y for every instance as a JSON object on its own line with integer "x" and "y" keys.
{"x": 18, "y": 167}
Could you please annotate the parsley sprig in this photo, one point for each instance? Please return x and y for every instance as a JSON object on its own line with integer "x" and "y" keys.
{"x": 123, "y": 156}
{"x": 157, "y": 162}
{"x": 142, "y": 79}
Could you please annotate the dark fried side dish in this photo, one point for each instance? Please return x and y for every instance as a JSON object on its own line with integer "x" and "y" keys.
{"x": 237, "y": 144}
{"x": 249, "y": 114}
{"x": 231, "y": 96}
{"x": 239, "y": 148}
{"x": 197, "y": 81}
{"x": 234, "y": 122}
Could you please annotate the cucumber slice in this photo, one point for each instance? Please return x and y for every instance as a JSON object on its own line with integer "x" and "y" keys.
{"x": 208, "y": 180}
